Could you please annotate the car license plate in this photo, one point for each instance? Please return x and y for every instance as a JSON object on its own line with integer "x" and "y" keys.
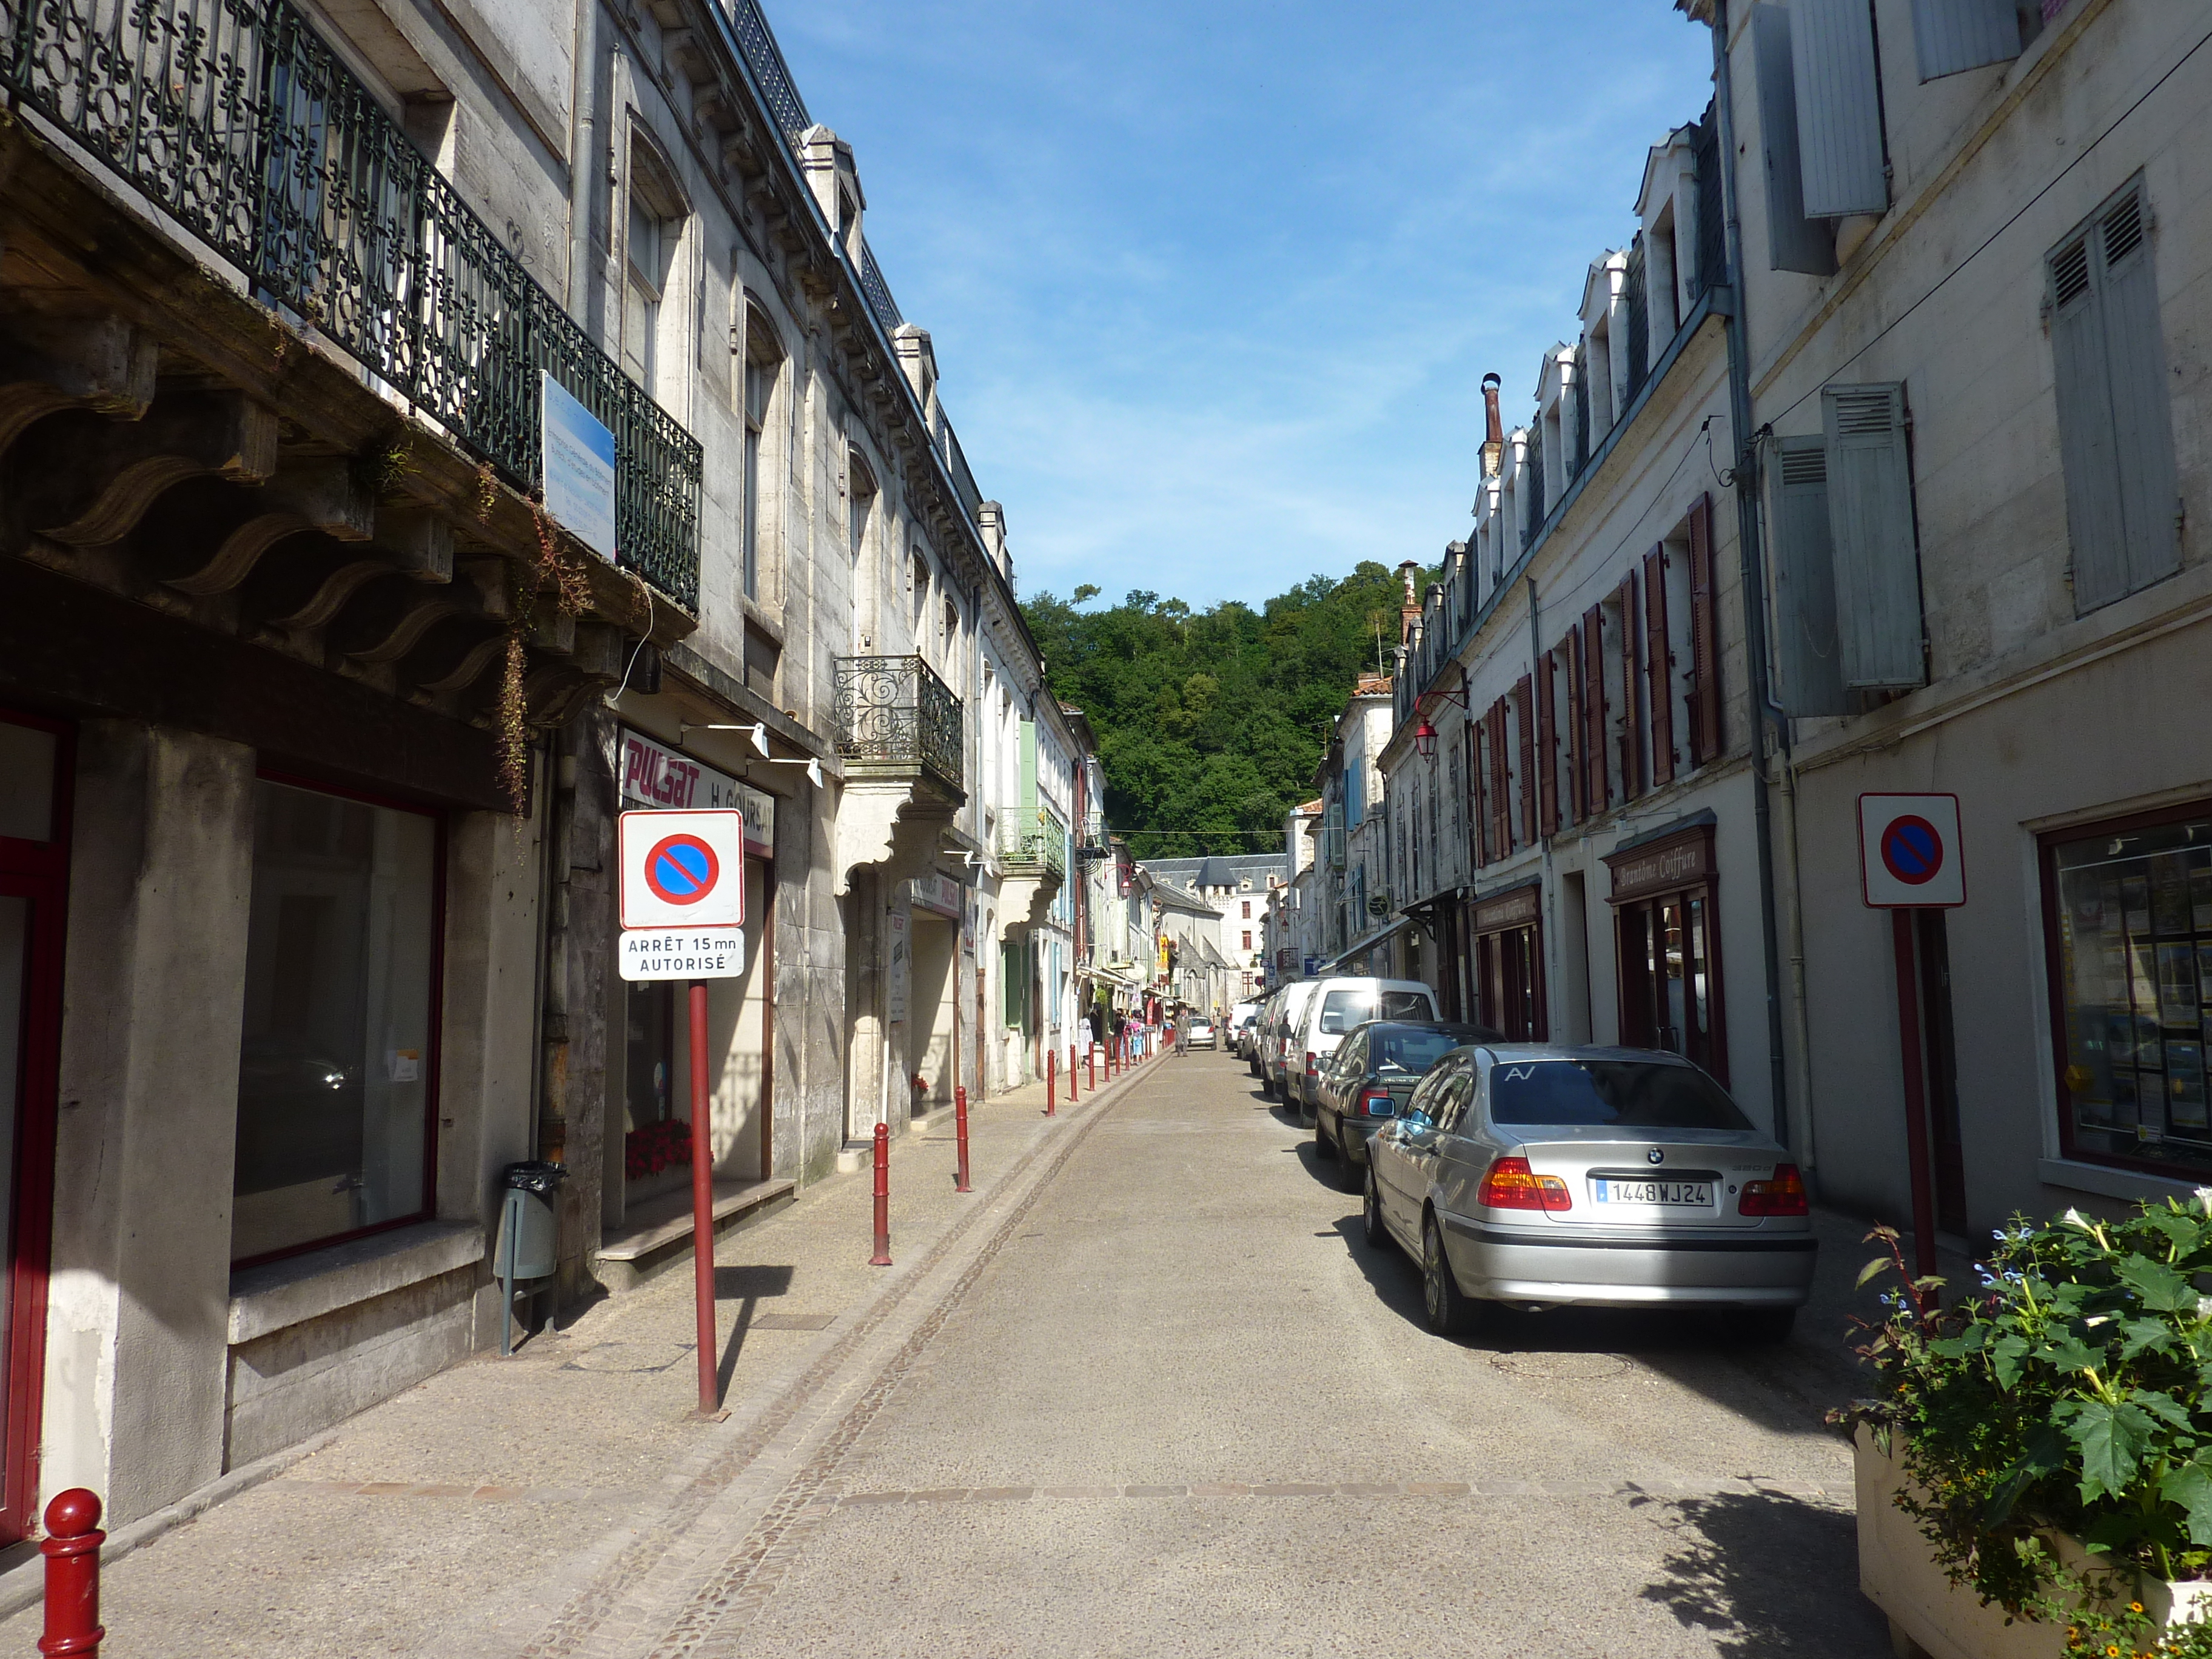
{"x": 1681, "y": 1194}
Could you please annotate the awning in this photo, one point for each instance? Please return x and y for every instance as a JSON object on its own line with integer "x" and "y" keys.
{"x": 1381, "y": 936}
{"x": 1421, "y": 908}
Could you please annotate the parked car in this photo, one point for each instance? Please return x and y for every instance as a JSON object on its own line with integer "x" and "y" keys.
{"x": 1372, "y": 1075}
{"x": 1282, "y": 1031}
{"x": 1240, "y": 1021}
{"x": 1254, "y": 1042}
{"x": 1338, "y": 1006}
{"x": 1527, "y": 1174}
{"x": 1199, "y": 1033}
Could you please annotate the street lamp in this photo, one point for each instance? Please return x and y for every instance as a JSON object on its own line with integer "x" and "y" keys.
{"x": 1424, "y": 739}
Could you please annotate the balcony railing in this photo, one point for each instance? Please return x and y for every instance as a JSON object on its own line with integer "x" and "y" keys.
{"x": 894, "y": 713}
{"x": 1035, "y": 847}
{"x": 237, "y": 120}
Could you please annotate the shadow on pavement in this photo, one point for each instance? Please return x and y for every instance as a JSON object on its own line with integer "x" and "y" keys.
{"x": 746, "y": 1286}
{"x": 1767, "y": 1577}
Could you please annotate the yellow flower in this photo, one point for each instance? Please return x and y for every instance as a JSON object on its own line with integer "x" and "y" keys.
{"x": 2113, "y": 1651}
{"x": 2135, "y": 1607}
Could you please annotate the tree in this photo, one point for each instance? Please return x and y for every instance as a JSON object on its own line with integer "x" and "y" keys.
{"x": 1210, "y": 723}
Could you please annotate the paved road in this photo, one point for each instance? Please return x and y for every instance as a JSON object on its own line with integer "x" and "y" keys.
{"x": 1178, "y": 1408}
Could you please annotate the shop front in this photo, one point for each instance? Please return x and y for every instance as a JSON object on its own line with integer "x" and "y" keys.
{"x": 1505, "y": 931}
{"x": 649, "y": 1191}
{"x": 935, "y": 907}
{"x": 1666, "y": 946}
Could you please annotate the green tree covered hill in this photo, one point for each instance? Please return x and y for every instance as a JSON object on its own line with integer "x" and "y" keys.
{"x": 1212, "y": 723}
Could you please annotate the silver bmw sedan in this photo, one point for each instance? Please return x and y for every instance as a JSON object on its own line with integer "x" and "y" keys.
{"x": 1541, "y": 1176}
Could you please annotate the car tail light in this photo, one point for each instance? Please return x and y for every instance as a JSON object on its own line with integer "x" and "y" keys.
{"x": 1784, "y": 1195}
{"x": 1313, "y": 1064}
{"x": 1510, "y": 1184}
{"x": 1377, "y": 1103}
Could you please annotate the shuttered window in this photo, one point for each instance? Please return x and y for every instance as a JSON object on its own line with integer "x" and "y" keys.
{"x": 1953, "y": 36}
{"x": 1658, "y": 666}
{"x": 2115, "y": 419}
{"x": 1501, "y": 819}
{"x": 1705, "y": 639}
{"x": 1808, "y": 662}
{"x": 1597, "y": 793}
{"x": 1570, "y": 658}
{"x": 1524, "y": 732}
{"x": 1877, "y": 561}
{"x": 1795, "y": 241}
{"x": 1629, "y": 732}
{"x": 1838, "y": 85}
{"x": 1547, "y": 744}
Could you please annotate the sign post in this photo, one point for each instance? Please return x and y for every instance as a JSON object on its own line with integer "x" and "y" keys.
{"x": 683, "y": 917}
{"x": 1909, "y": 860}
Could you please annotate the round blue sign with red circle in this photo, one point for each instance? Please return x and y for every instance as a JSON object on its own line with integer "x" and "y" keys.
{"x": 1911, "y": 851}
{"x": 681, "y": 869}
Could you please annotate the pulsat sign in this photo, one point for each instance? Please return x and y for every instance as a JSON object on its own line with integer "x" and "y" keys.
{"x": 1909, "y": 854}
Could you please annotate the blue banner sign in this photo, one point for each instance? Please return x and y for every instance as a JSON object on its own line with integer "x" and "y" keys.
{"x": 579, "y": 464}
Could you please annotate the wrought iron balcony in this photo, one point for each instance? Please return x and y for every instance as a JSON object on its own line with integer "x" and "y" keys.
{"x": 1034, "y": 847}
{"x": 895, "y": 716}
{"x": 238, "y": 122}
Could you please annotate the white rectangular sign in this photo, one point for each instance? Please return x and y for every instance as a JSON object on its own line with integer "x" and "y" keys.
{"x": 683, "y": 953}
{"x": 683, "y": 869}
{"x": 576, "y": 456}
{"x": 1909, "y": 854}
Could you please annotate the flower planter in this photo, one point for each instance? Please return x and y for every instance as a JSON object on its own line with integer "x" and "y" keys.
{"x": 1898, "y": 1574}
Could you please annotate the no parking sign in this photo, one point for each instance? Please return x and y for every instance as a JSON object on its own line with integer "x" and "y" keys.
{"x": 1908, "y": 854}
{"x": 683, "y": 869}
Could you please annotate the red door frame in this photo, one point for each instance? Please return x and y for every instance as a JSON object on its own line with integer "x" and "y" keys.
{"x": 37, "y": 871}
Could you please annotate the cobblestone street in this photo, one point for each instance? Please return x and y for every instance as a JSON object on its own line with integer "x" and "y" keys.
{"x": 1145, "y": 1392}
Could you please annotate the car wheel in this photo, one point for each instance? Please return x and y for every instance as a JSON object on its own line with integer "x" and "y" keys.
{"x": 1350, "y": 1168}
{"x": 1267, "y": 1087}
{"x": 1449, "y": 1313}
{"x": 1370, "y": 1213}
{"x": 1763, "y": 1325}
{"x": 1323, "y": 1147}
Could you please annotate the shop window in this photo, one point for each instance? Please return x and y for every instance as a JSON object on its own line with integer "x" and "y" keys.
{"x": 337, "y": 1066}
{"x": 1509, "y": 965}
{"x": 2129, "y": 918}
{"x": 1667, "y": 940}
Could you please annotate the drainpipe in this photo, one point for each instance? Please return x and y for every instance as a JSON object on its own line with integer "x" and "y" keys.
{"x": 1745, "y": 473}
{"x": 583, "y": 158}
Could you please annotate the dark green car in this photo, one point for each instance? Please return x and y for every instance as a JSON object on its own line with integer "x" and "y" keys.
{"x": 1371, "y": 1075}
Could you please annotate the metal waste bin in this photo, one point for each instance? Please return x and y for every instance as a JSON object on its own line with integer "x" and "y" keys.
{"x": 528, "y": 1235}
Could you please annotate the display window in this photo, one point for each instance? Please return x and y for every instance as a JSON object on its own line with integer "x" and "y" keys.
{"x": 35, "y": 813}
{"x": 1666, "y": 946}
{"x": 1509, "y": 963}
{"x": 338, "y": 1057}
{"x": 2128, "y": 921}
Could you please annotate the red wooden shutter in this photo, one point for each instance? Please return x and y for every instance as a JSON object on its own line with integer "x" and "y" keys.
{"x": 1524, "y": 720}
{"x": 1547, "y": 747}
{"x": 1571, "y": 660}
{"x": 1471, "y": 787}
{"x": 1595, "y": 787}
{"x": 1501, "y": 818}
{"x": 1658, "y": 666}
{"x": 1705, "y": 639}
{"x": 1631, "y": 694}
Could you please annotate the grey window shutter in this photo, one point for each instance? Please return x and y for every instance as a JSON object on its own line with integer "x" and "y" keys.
{"x": 2115, "y": 417}
{"x": 1839, "y": 108}
{"x": 1794, "y": 242}
{"x": 1809, "y": 657}
{"x": 1953, "y": 36}
{"x": 1870, "y": 519}
{"x": 2143, "y": 417}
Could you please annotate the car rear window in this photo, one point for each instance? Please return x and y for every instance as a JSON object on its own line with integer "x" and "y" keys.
{"x": 1342, "y": 1010}
{"x": 1628, "y": 1094}
{"x": 1413, "y": 1052}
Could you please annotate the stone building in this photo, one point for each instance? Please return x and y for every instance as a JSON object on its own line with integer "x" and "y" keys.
{"x": 320, "y": 696}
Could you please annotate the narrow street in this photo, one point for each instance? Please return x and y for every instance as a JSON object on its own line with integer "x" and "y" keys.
{"x": 1145, "y": 1392}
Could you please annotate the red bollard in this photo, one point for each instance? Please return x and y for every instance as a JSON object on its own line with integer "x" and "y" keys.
{"x": 882, "y": 1258}
{"x": 71, "y": 1548}
{"x": 1051, "y": 1065}
{"x": 1090, "y": 1063}
{"x": 1070, "y": 1074}
{"x": 960, "y": 1132}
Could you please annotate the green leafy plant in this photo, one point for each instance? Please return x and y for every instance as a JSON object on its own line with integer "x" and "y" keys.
{"x": 2068, "y": 1396}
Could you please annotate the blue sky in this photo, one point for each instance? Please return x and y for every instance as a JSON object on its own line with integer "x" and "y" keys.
{"x": 1213, "y": 286}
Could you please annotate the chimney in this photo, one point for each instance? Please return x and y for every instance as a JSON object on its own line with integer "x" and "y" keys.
{"x": 1493, "y": 430}
{"x": 1410, "y": 612}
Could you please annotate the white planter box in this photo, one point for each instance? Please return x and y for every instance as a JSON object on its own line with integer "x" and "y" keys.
{"x": 1898, "y": 1573}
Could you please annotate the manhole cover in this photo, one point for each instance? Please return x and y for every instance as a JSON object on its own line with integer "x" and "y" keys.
{"x": 630, "y": 1357}
{"x": 1561, "y": 1367}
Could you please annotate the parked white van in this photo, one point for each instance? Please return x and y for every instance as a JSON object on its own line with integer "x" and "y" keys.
{"x": 1280, "y": 1031}
{"x": 1331, "y": 1011}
